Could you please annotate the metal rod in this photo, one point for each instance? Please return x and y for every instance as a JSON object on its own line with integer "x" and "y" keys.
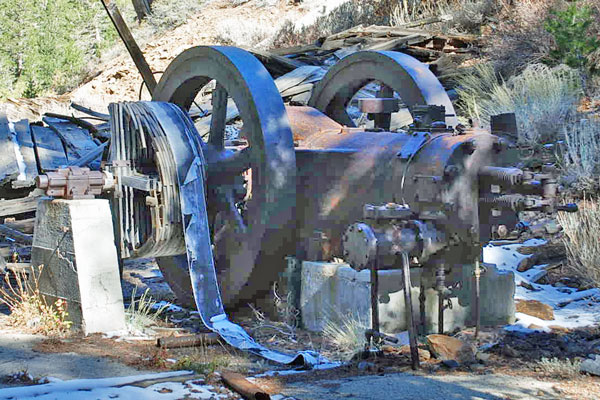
{"x": 422, "y": 298}
{"x": 132, "y": 47}
{"x": 374, "y": 296}
{"x": 440, "y": 283}
{"x": 238, "y": 383}
{"x": 199, "y": 339}
{"x": 410, "y": 322}
{"x": 477, "y": 297}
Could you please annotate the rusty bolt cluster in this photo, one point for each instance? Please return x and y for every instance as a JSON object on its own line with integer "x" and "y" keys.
{"x": 74, "y": 183}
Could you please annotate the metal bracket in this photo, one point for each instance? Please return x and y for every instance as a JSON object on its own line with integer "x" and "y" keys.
{"x": 413, "y": 145}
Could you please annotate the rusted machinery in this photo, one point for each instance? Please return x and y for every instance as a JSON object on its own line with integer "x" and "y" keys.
{"x": 424, "y": 197}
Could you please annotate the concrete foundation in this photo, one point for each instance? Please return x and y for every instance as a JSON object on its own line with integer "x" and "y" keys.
{"x": 335, "y": 291}
{"x": 74, "y": 242}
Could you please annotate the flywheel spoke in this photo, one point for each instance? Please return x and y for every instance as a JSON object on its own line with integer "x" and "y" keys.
{"x": 219, "y": 116}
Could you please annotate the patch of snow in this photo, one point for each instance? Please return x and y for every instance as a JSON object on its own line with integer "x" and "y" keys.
{"x": 328, "y": 365}
{"x": 168, "y": 306}
{"x": 572, "y": 308}
{"x": 114, "y": 388}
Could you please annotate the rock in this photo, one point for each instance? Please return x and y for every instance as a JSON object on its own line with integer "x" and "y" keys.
{"x": 526, "y": 263}
{"x": 552, "y": 227}
{"x": 451, "y": 363}
{"x": 535, "y": 327}
{"x": 482, "y": 357}
{"x": 477, "y": 367}
{"x": 558, "y": 329}
{"x": 424, "y": 355}
{"x": 591, "y": 365}
{"x": 508, "y": 351}
{"x": 450, "y": 348}
{"x": 366, "y": 366}
{"x": 535, "y": 309}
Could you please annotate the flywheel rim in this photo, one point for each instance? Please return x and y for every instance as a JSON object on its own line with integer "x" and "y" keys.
{"x": 407, "y": 76}
{"x": 246, "y": 273}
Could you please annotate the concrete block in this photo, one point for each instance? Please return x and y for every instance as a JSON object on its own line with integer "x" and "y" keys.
{"x": 332, "y": 291}
{"x": 74, "y": 241}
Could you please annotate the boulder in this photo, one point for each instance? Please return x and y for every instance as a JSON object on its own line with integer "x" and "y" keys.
{"x": 450, "y": 348}
{"x": 591, "y": 365}
{"x": 535, "y": 309}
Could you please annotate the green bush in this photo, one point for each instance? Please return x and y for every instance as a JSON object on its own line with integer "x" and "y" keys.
{"x": 573, "y": 36}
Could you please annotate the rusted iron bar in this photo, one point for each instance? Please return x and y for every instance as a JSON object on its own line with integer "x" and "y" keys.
{"x": 241, "y": 385}
{"x": 440, "y": 280}
{"x": 132, "y": 47}
{"x": 174, "y": 342}
{"x": 410, "y": 321}
{"x": 477, "y": 297}
{"x": 374, "y": 297}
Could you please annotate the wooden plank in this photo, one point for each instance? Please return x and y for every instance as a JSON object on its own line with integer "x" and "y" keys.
{"x": 26, "y": 148}
{"x": 277, "y": 65}
{"x": 49, "y": 148}
{"x": 18, "y": 206}
{"x": 132, "y": 47}
{"x": 77, "y": 140}
{"x": 95, "y": 114}
{"x": 15, "y": 235}
{"x": 22, "y": 225}
{"x": 9, "y": 168}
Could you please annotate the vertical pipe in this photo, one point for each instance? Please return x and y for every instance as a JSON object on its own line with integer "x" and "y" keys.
{"x": 410, "y": 321}
{"x": 477, "y": 297}
{"x": 374, "y": 297}
{"x": 440, "y": 284}
{"x": 422, "y": 298}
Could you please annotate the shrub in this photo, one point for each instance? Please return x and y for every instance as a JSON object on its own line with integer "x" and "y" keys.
{"x": 582, "y": 152}
{"x": 581, "y": 241}
{"x": 541, "y": 98}
{"x": 29, "y": 308}
{"x": 574, "y": 39}
{"x": 346, "y": 333}
{"x": 558, "y": 368}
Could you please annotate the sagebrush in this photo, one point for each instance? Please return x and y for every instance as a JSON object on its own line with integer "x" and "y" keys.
{"x": 557, "y": 368}
{"x": 541, "y": 97}
{"x": 581, "y": 241}
{"x": 582, "y": 152}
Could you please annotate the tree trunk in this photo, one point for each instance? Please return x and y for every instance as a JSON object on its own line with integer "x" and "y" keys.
{"x": 142, "y": 8}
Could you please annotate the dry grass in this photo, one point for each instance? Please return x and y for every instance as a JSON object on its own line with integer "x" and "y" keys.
{"x": 29, "y": 308}
{"x": 559, "y": 368}
{"x": 453, "y": 15}
{"x": 346, "y": 333}
{"x": 582, "y": 152}
{"x": 541, "y": 97}
{"x": 142, "y": 313}
{"x": 581, "y": 241}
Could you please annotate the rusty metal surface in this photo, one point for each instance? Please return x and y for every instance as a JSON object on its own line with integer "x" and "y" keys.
{"x": 74, "y": 183}
{"x": 307, "y": 121}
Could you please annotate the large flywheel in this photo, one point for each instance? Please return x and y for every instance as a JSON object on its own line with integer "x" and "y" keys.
{"x": 395, "y": 75}
{"x": 251, "y": 185}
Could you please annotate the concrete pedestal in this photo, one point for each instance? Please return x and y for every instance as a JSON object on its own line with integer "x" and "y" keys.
{"x": 74, "y": 241}
{"x": 335, "y": 291}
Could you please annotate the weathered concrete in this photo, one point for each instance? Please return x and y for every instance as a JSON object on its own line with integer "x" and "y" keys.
{"x": 425, "y": 387}
{"x": 74, "y": 241}
{"x": 331, "y": 291}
